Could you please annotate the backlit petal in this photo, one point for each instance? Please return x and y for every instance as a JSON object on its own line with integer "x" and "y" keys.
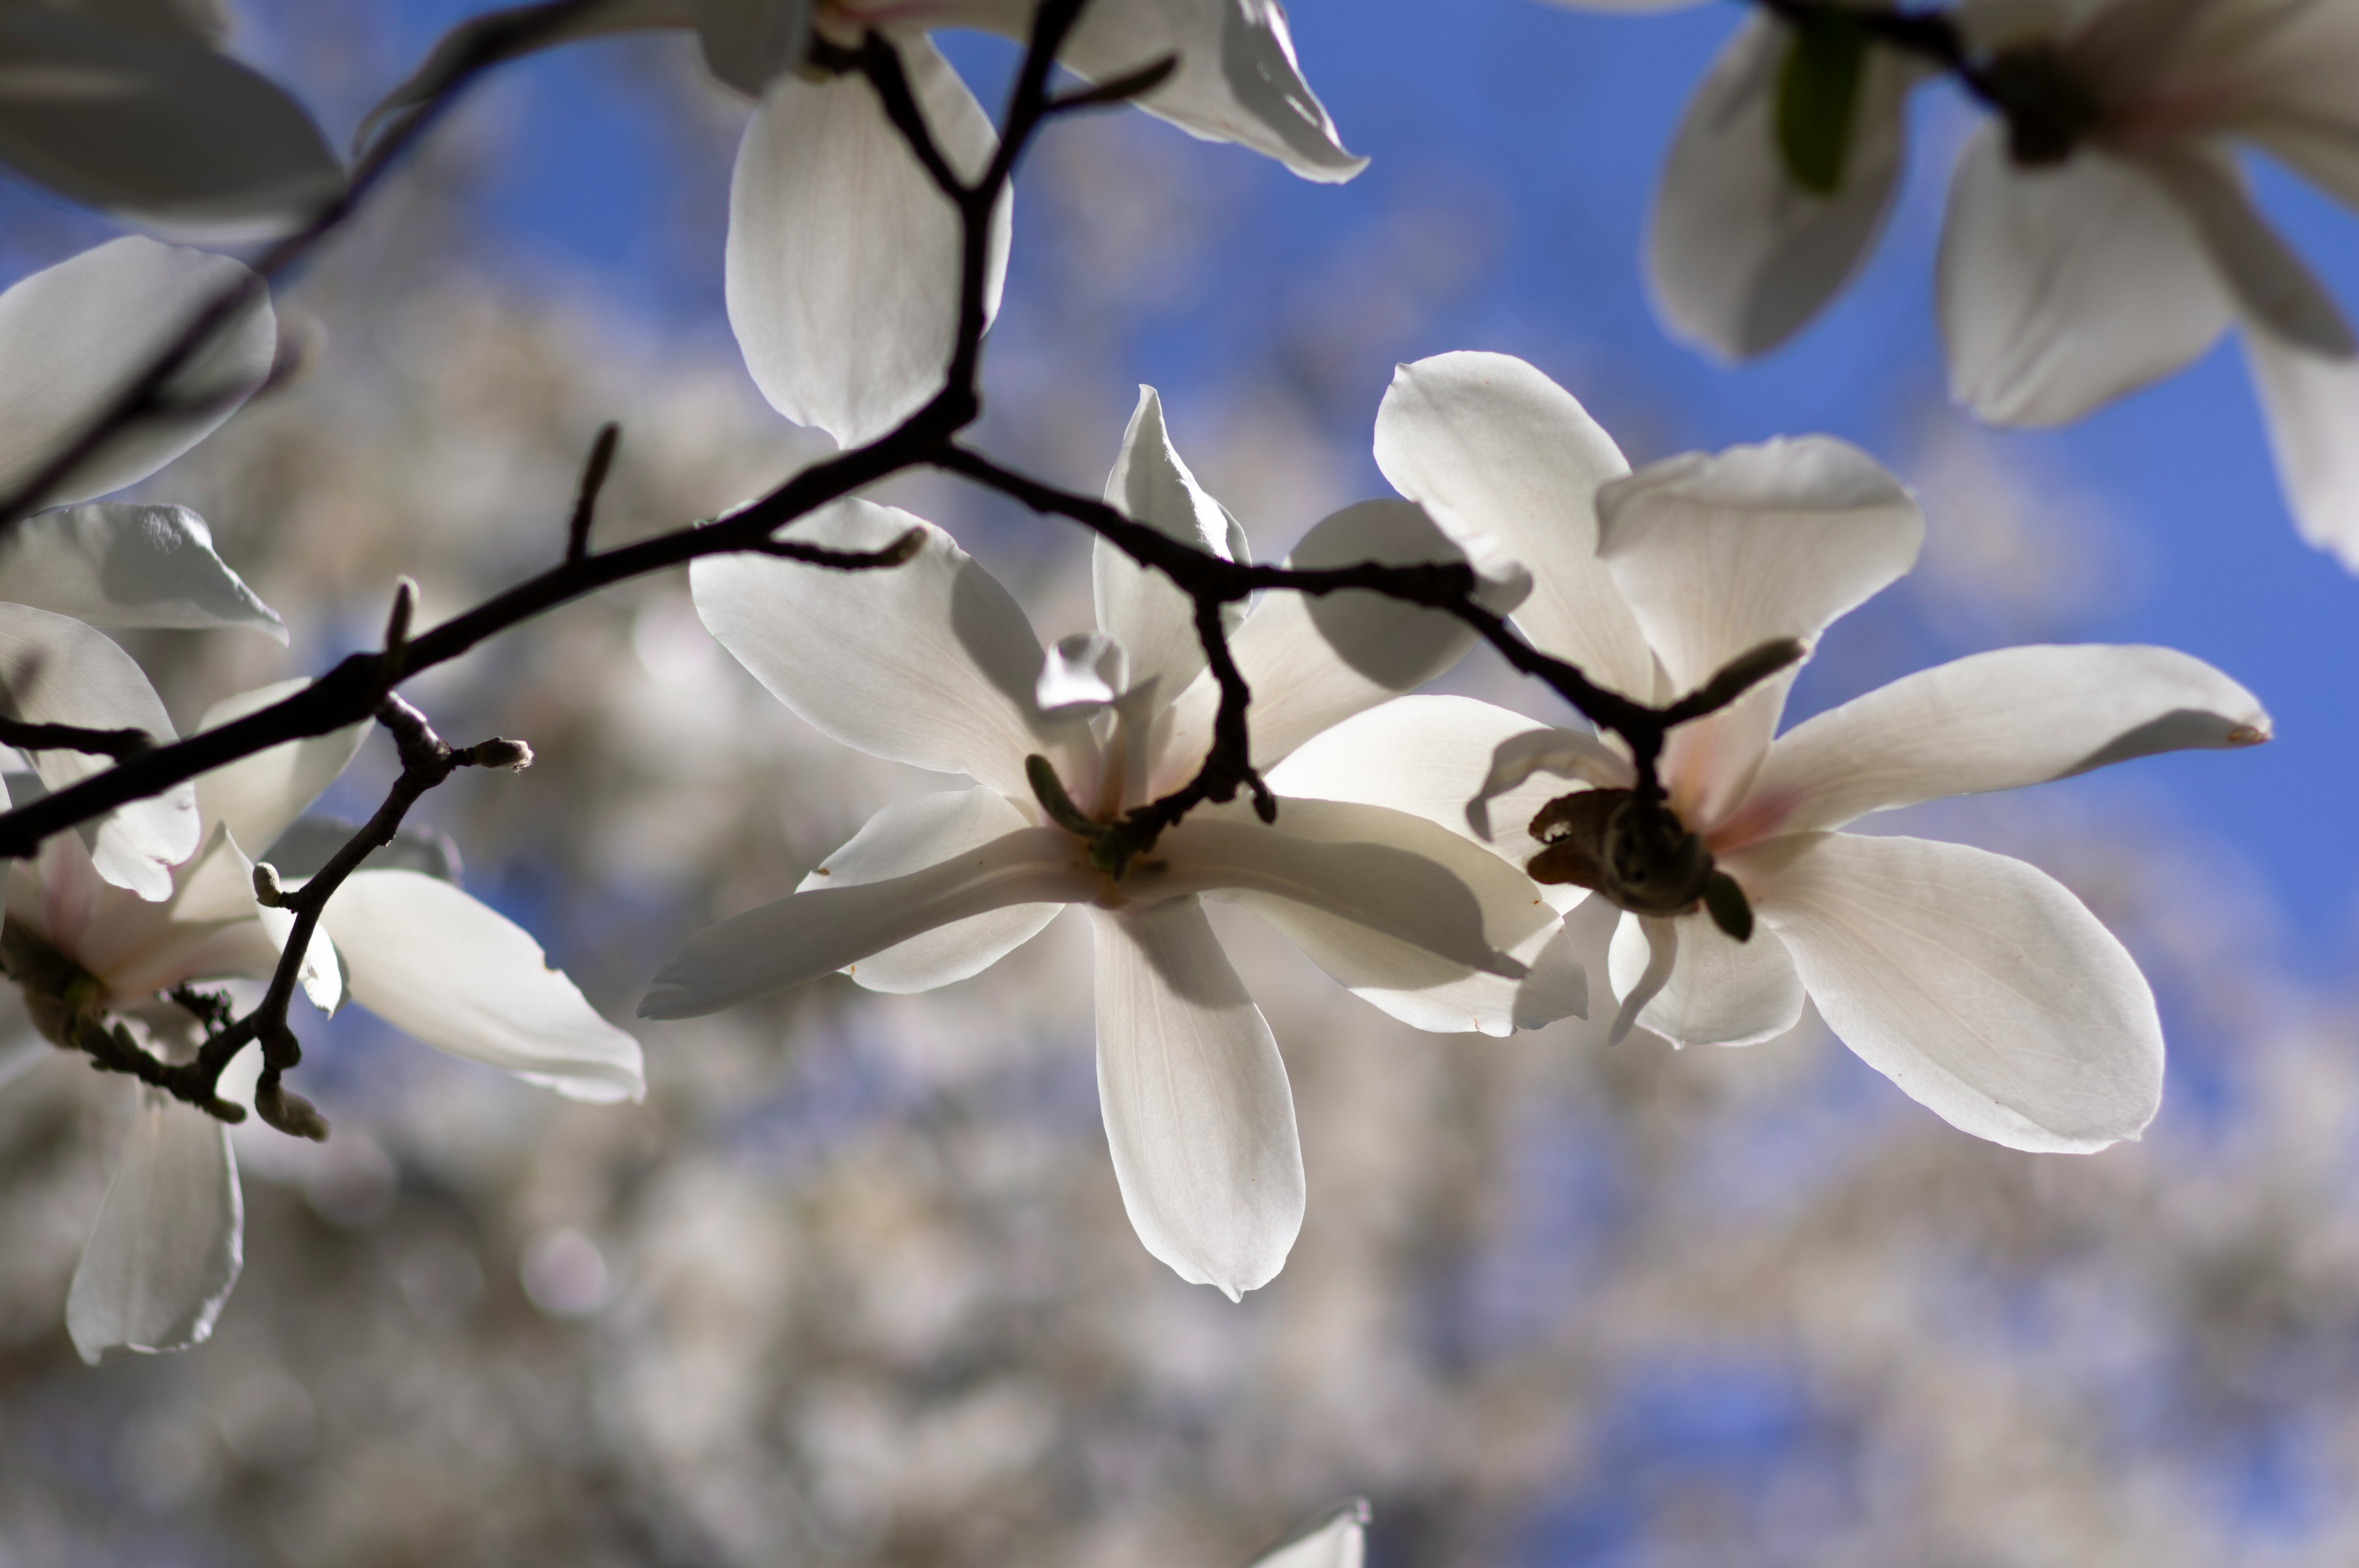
{"x": 1153, "y": 619}
{"x": 1721, "y": 992}
{"x": 114, "y": 565}
{"x": 168, "y": 1240}
{"x": 2312, "y": 403}
{"x": 259, "y": 797}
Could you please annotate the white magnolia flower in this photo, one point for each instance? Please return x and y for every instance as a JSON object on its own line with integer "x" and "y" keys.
{"x": 1976, "y": 983}
{"x": 416, "y": 951}
{"x": 2100, "y": 241}
{"x": 933, "y": 664}
{"x": 1337, "y": 1539}
{"x": 126, "y": 106}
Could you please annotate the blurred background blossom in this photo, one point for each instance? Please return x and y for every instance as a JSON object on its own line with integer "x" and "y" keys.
{"x": 854, "y": 1286}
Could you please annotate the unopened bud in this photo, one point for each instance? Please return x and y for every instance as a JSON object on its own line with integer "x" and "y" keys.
{"x": 266, "y": 891}
{"x": 502, "y": 752}
{"x": 405, "y": 604}
{"x": 289, "y": 1112}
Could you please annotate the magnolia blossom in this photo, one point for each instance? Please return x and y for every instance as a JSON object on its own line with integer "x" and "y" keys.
{"x": 166, "y": 1245}
{"x": 933, "y": 664}
{"x": 1337, "y": 1539}
{"x": 126, "y": 105}
{"x": 72, "y": 338}
{"x": 1978, "y": 984}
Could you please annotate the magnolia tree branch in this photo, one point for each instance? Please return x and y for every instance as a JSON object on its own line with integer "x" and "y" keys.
{"x": 115, "y": 743}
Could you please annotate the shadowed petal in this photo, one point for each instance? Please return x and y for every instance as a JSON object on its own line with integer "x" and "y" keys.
{"x": 1140, "y": 608}
{"x": 168, "y": 1240}
{"x": 114, "y": 565}
{"x": 1721, "y": 992}
{"x": 259, "y": 797}
{"x": 2312, "y": 403}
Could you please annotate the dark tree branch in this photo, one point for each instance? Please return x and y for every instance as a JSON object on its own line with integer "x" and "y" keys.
{"x": 594, "y": 481}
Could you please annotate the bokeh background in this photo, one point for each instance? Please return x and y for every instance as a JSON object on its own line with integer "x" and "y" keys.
{"x": 855, "y": 1286}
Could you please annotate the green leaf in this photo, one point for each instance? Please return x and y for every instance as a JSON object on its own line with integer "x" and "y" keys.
{"x": 1818, "y": 99}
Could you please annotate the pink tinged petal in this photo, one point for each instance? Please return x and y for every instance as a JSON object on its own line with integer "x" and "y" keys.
{"x": 1509, "y": 465}
{"x": 458, "y": 976}
{"x": 843, "y": 257}
{"x": 929, "y": 663}
{"x": 748, "y": 43}
{"x": 258, "y": 797}
{"x": 75, "y": 336}
{"x": 1155, "y": 620}
{"x": 1997, "y": 720}
{"x": 2313, "y": 406}
{"x": 156, "y": 128}
{"x": 2271, "y": 285}
{"x": 1717, "y": 554}
{"x": 912, "y": 836}
{"x": 1740, "y": 257}
{"x": 813, "y": 933}
{"x": 493, "y": 37}
{"x": 1198, "y": 1114}
{"x": 168, "y": 1240}
{"x": 55, "y": 670}
{"x": 1976, "y": 983}
{"x": 2063, "y": 289}
{"x": 113, "y": 565}
{"x": 1660, "y": 939}
{"x": 1721, "y": 992}
{"x": 1339, "y": 1540}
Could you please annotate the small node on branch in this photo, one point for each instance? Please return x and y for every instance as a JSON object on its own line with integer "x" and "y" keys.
{"x": 1734, "y": 678}
{"x": 266, "y": 891}
{"x": 287, "y": 1112}
{"x": 500, "y": 752}
{"x": 397, "y": 624}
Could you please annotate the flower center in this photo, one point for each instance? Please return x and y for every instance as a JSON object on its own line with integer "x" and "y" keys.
{"x": 67, "y": 1002}
{"x": 1634, "y": 848}
{"x": 2048, "y": 110}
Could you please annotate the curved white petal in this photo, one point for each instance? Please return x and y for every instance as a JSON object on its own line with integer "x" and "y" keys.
{"x": 1741, "y": 257}
{"x": 168, "y": 1240}
{"x": 1996, "y": 720}
{"x": 2271, "y": 284}
{"x": 1338, "y": 1540}
{"x": 259, "y": 797}
{"x": 55, "y": 670}
{"x": 462, "y": 978}
{"x": 911, "y": 837}
{"x": 842, "y": 268}
{"x": 2063, "y": 288}
{"x": 930, "y": 662}
{"x": 1198, "y": 1114}
{"x": 115, "y": 565}
{"x": 747, "y": 43}
{"x": 1508, "y": 464}
{"x": 1660, "y": 939}
{"x": 2312, "y": 403}
{"x": 813, "y": 933}
{"x": 75, "y": 336}
{"x": 1153, "y": 619}
{"x": 1721, "y": 992}
{"x": 156, "y": 127}
{"x": 1516, "y": 761}
{"x": 1976, "y": 983}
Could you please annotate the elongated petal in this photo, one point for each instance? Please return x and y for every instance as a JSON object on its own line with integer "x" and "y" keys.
{"x": 462, "y": 978}
{"x": 1640, "y": 984}
{"x": 55, "y": 670}
{"x": 2270, "y": 284}
{"x": 2312, "y": 403}
{"x": 909, "y": 838}
{"x": 156, "y": 127}
{"x": 2063, "y": 288}
{"x": 258, "y": 797}
{"x": 168, "y": 1240}
{"x": 1717, "y": 554}
{"x": 495, "y": 37}
{"x": 113, "y": 565}
{"x": 842, "y": 267}
{"x": 1153, "y": 619}
{"x": 75, "y": 336}
{"x": 813, "y": 933}
{"x": 1739, "y": 255}
{"x": 1338, "y": 1540}
{"x": 930, "y": 662}
{"x": 1997, "y": 720}
{"x": 1198, "y": 1114}
{"x": 1721, "y": 992}
{"x": 1238, "y": 79}
{"x": 1976, "y": 983}
{"x": 1508, "y": 464}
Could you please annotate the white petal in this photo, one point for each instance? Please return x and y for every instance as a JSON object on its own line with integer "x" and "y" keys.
{"x": 258, "y": 797}
{"x": 909, "y": 838}
{"x": 1312, "y": 662}
{"x": 929, "y": 663}
{"x": 2313, "y": 406}
{"x": 1155, "y": 620}
{"x": 156, "y": 127}
{"x": 168, "y": 1240}
{"x": 1997, "y": 720}
{"x": 1508, "y": 464}
{"x": 1721, "y": 992}
{"x": 463, "y": 979}
{"x": 1198, "y": 1114}
{"x": 1976, "y": 983}
{"x": 1516, "y": 761}
{"x": 1739, "y": 255}
{"x": 114, "y": 565}
{"x": 2063, "y": 289}
{"x": 75, "y": 336}
{"x": 1660, "y": 939}
{"x": 55, "y": 670}
{"x": 813, "y": 933}
{"x": 1238, "y": 79}
{"x": 842, "y": 267}
{"x": 748, "y": 43}
{"x": 2270, "y": 283}
{"x": 1717, "y": 554}
{"x": 491, "y": 37}
{"x": 1339, "y": 1540}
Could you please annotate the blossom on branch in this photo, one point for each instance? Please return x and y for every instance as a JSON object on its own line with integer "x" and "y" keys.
{"x": 1976, "y": 983}
{"x": 933, "y": 664}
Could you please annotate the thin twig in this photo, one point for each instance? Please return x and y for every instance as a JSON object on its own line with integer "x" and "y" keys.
{"x": 593, "y": 479}
{"x": 115, "y": 743}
